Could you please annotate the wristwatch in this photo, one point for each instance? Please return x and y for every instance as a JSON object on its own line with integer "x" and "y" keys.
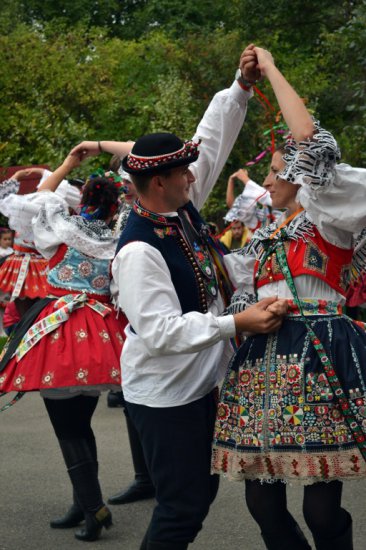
{"x": 243, "y": 83}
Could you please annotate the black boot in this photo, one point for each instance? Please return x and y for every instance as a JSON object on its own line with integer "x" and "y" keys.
{"x": 94, "y": 524}
{"x": 142, "y": 487}
{"x": 72, "y": 518}
{"x": 75, "y": 514}
{"x": 82, "y": 470}
{"x": 343, "y": 541}
{"x": 290, "y": 537}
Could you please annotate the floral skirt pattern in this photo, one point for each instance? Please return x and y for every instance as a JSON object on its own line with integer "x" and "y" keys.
{"x": 31, "y": 276}
{"x": 82, "y": 352}
{"x": 278, "y": 417}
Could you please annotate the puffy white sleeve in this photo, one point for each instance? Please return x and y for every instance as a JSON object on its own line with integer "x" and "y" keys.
{"x": 218, "y": 130}
{"x": 332, "y": 194}
{"x": 339, "y": 211}
{"x": 240, "y": 267}
{"x": 21, "y": 210}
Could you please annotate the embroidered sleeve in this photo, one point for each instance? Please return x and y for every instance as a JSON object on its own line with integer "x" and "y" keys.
{"x": 312, "y": 162}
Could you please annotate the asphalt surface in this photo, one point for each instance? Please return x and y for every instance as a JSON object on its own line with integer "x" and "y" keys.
{"x": 34, "y": 487}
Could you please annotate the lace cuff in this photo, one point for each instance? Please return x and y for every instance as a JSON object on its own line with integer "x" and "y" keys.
{"x": 240, "y": 301}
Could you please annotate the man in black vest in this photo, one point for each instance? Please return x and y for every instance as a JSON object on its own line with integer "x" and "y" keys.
{"x": 169, "y": 288}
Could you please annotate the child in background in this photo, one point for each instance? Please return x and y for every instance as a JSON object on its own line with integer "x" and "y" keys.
{"x": 6, "y": 242}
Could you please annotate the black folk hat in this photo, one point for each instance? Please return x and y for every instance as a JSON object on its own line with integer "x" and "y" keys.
{"x": 155, "y": 153}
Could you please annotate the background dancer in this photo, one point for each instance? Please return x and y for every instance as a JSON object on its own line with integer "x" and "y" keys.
{"x": 68, "y": 346}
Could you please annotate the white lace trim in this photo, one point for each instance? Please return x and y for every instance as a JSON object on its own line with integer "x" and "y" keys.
{"x": 93, "y": 238}
{"x": 8, "y": 187}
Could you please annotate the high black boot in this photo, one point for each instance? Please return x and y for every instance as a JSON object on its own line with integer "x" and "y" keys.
{"x": 75, "y": 514}
{"x": 290, "y": 537}
{"x": 142, "y": 487}
{"x": 343, "y": 541}
{"x": 82, "y": 470}
{"x": 72, "y": 518}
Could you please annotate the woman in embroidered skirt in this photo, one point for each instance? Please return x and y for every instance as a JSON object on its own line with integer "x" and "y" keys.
{"x": 293, "y": 404}
{"x": 68, "y": 345}
{"x": 23, "y": 274}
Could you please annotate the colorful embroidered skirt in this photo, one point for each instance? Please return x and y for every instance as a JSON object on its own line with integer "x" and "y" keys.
{"x": 278, "y": 417}
{"x": 24, "y": 276}
{"x": 83, "y": 351}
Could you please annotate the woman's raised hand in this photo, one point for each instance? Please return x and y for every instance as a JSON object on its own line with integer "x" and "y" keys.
{"x": 264, "y": 60}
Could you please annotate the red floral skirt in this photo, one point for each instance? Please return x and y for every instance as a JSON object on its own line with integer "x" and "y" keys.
{"x": 35, "y": 277}
{"x": 83, "y": 351}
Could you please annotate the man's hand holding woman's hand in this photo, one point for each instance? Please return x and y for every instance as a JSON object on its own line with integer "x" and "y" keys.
{"x": 263, "y": 317}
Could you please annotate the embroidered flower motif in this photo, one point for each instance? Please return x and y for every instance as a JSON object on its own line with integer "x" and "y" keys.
{"x": 48, "y": 378}
{"x": 321, "y": 410}
{"x": 3, "y": 377}
{"x": 100, "y": 282}
{"x": 81, "y": 335}
{"x": 293, "y": 374}
{"x": 300, "y": 439}
{"x": 115, "y": 374}
{"x": 18, "y": 382}
{"x": 245, "y": 377}
{"x": 223, "y": 411}
{"x": 81, "y": 376}
{"x": 336, "y": 415}
{"x": 85, "y": 268}
{"x": 65, "y": 273}
{"x": 55, "y": 336}
{"x": 159, "y": 232}
{"x": 104, "y": 336}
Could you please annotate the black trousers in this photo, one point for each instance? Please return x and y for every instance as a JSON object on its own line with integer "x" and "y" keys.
{"x": 177, "y": 448}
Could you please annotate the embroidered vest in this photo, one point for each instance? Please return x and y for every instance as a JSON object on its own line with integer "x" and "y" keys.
{"x": 71, "y": 272}
{"x": 191, "y": 270}
{"x": 315, "y": 257}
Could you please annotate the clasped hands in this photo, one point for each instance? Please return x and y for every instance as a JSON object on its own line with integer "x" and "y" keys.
{"x": 263, "y": 317}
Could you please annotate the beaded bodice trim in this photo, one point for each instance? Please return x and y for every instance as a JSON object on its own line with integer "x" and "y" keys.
{"x": 192, "y": 244}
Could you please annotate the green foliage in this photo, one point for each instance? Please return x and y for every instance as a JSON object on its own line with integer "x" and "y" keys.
{"x": 110, "y": 69}
{"x": 3, "y": 339}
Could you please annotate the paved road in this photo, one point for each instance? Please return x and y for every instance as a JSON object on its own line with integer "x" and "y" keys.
{"x": 34, "y": 487}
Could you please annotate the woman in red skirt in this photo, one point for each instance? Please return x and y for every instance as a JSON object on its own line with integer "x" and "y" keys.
{"x": 68, "y": 345}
